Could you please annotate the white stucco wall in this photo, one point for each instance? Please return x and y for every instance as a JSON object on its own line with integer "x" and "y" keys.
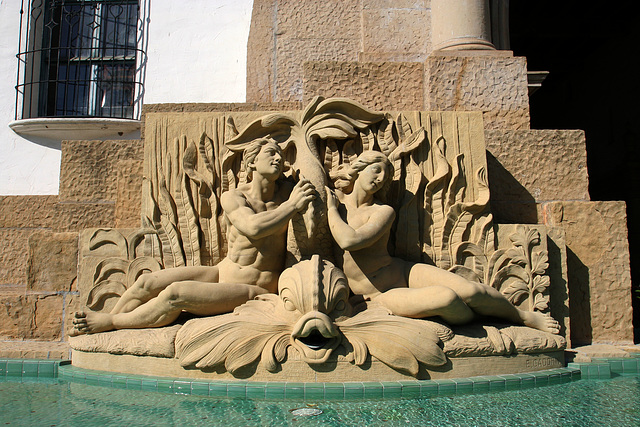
{"x": 196, "y": 52}
{"x": 26, "y": 167}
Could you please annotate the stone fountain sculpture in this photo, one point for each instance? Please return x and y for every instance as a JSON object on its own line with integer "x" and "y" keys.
{"x": 334, "y": 243}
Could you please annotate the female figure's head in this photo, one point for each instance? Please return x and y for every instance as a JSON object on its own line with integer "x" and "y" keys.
{"x": 376, "y": 171}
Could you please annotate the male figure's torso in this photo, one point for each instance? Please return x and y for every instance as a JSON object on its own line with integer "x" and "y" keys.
{"x": 256, "y": 261}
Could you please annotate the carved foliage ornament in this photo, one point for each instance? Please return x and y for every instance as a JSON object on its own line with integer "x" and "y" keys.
{"x": 442, "y": 218}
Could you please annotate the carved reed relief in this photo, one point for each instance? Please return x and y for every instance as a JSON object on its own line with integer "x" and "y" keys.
{"x": 439, "y": 203}
{"x": 439, "y": 192}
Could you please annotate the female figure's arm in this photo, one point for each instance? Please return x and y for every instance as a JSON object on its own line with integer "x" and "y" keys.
{"x": 352, "y": 239}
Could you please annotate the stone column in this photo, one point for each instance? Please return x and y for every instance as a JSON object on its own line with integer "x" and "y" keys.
{"x": 461, "y": 25}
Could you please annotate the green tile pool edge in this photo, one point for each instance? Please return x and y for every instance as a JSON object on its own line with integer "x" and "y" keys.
{"x": 607, "y": 367}
{"x": 31, "y": 368}
{"x": 406, "y": 389}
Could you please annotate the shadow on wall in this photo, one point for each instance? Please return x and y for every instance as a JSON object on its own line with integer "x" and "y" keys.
{"x": 580, "y": 300}
{"x": 559, "y": 292}
{"x": 54, "y": 144}
{"x": 511, "y": 203}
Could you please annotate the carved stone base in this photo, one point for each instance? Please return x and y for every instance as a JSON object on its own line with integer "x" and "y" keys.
{"x": 334, "y": 370}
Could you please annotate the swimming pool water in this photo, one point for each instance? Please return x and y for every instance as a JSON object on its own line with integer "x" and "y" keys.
{"x": 49, "y": 402}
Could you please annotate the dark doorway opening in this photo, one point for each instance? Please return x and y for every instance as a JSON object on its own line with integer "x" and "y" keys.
{"x": 591, "y": 51}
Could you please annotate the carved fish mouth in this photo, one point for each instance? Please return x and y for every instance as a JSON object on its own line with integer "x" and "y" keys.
{"x": 315, "y": 337}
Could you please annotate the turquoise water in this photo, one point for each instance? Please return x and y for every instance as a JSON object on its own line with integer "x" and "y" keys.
{"x": 56, "y": 402}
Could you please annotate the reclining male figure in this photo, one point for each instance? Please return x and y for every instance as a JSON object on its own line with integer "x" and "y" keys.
{"x": 258, "y": 215}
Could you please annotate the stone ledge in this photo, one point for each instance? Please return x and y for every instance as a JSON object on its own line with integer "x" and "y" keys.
{"x": 300, "y": 371}
{"x": 195, "y": 107}
{"x": 76, "y": 128}
{"x": 35, "y": 350}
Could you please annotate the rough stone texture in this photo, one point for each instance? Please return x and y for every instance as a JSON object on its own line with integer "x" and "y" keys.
{"x": 31, "y": 316}
{"x": 35, "y": 350}
{"x": 260, "y": 52}
{"x": 88, "y": 170}
{"x": 77, "y": 216}
{"x": 378, "y": 86}
{"x": 287, "y": 33}
{"x": 396, "y": 4}
{"x": 16, "y": 315}
{"x": 586, "y": 353}
{"x": 310, "y": 19}
{"x": 598, "y": 264}
{"x": 396, "y": 29}
{"x": 47, "y": 319}
{"x": 493, "y": 83}
{"x": 13, "y": 255}
{"x": 129, "y": 194}
{"x": 38, "y": 237}
{"x": 529, "y": 167}
{"x": 312, "y": 31}
{"x": 292, "y": 53}
{"x": 391, "y": 57}
{"x": 53, "y": 260}
{"x": 37, "y": 269}
{"x": 27, "y": 211}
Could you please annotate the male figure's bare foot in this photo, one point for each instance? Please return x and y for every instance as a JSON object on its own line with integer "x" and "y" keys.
{"x": 541, "y": 321}
{"x": 88, "y": 323}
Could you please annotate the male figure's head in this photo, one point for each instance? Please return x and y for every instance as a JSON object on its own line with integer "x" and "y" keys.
{"x": 265, "y": 157}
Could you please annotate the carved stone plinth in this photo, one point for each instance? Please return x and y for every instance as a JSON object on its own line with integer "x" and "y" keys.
{"x": 336, "y": 312}
{"x": 498, "y": 350}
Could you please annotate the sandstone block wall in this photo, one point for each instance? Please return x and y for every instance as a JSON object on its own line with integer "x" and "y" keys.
{"x": 369, "y": 83}
{"x": 494, "y": 83}
{"x": 529, "y": 167}
{"x": 377, "y": 41}
{"x": 598, "y": 264}
{"x": 32, "y": 299}
{"x": 286, "y": 34}
{"x": 99, "y": 187}
{"x": 395, "y": 30}
{"x": 598, "y": 269}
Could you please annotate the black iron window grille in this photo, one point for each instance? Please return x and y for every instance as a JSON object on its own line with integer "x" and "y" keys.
{"x": 78, "y": 59}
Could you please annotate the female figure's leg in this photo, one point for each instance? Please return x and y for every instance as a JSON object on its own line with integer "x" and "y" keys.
{"x": 482, "y": 299}
{"x": 426, "y": 302}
